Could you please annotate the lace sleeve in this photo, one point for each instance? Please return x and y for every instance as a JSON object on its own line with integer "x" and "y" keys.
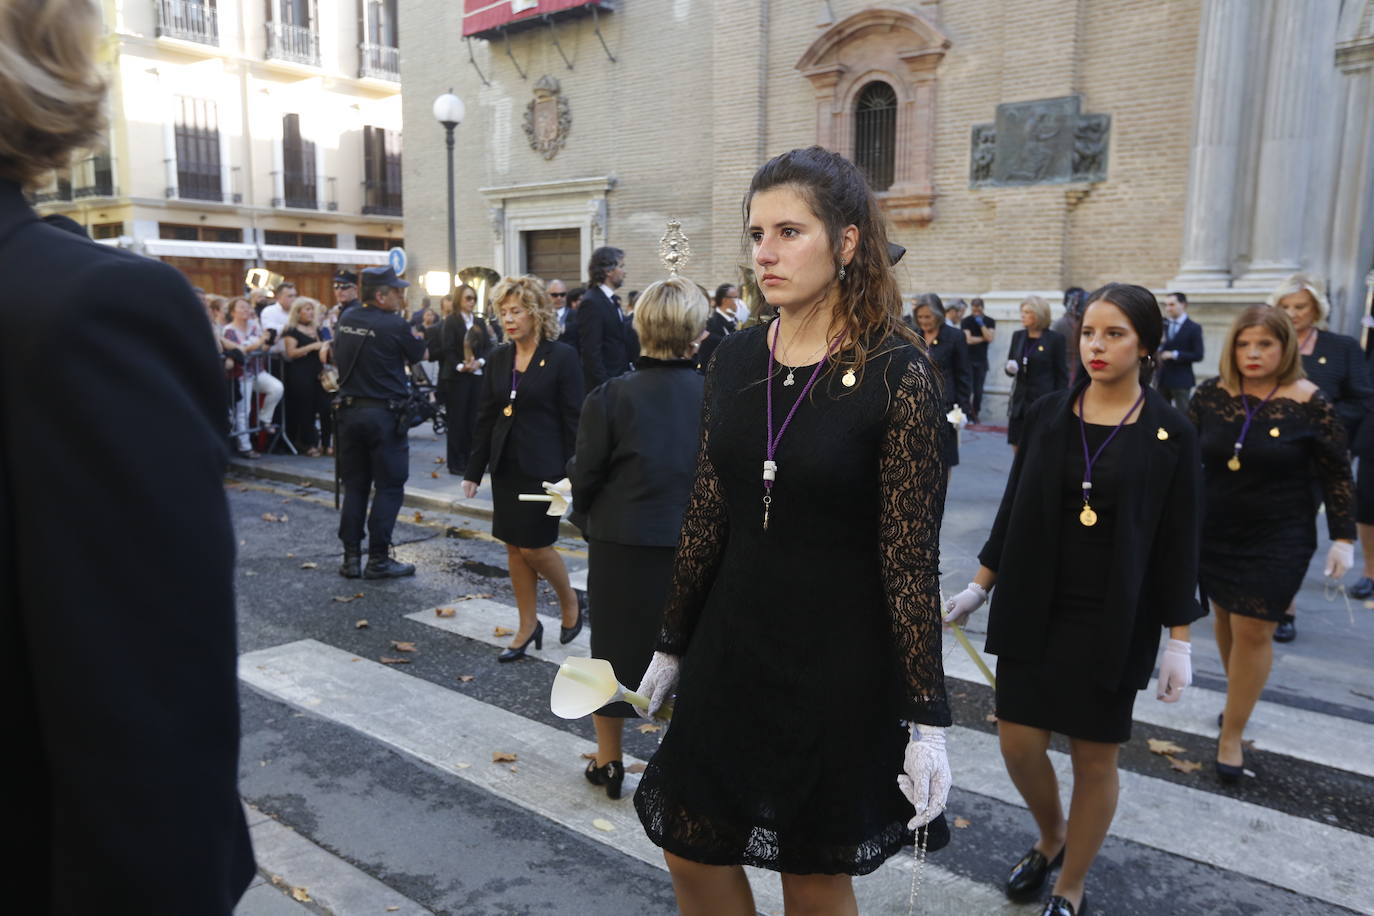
{"x": 1333, "y": 469}
{"x": 913, "y": 496}
{"x": 702, "y": 544}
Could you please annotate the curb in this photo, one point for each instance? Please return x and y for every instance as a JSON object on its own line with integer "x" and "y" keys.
{"x": 414, "y": 498}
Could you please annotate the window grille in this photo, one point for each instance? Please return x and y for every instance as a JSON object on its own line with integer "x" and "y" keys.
{"x": 875, "y": 134}
{"x": 298, "y": 162}
{"x": 197, "y": 150}
{"x": 382, "y": 171}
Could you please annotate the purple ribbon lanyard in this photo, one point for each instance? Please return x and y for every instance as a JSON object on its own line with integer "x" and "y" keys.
{"x": 1234, "y": 463}
{"x": 770, "y": 467}
{"x": 1090, "y": 459}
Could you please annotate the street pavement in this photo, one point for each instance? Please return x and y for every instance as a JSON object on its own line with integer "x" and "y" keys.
{"x": 369, "y": 768}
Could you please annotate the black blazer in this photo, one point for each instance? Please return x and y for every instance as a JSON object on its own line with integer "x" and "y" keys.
{"x": 950, "y": 354}
{"x": 1158, "y": 525}
{"x": 601, "y": 339}
{"x": 126, "y": 765}
{"x": 541, "y": 434}
{"x": 455, "y": 332}
{"x": 1045, "y": 369}
{"x": 718, "y": 327}
{"x": 1178, "y": 373}
{"x": 1337, "y": 366}
{"x": 637, "y": 453}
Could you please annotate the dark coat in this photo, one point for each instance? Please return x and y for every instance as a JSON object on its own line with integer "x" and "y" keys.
{"x": 637, "y": 454}
{"x": 1177, "y": 373}
{"x": 601, "y": 339}
{"x": 455, "y": 332}
{"x": 541, "y": 433}
{"x": 1044, "y": 372}
{"x": 1158, "y": 527}
{"x": 114, "y": 532}
{"x": 950, "y": 355}
{"x": 718, "y": 327}
{"x": 1337, "y": 366}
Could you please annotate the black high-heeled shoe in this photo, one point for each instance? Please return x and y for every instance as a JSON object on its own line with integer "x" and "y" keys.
{"x": 612, "y": 775}
{"x": 1028, "y": 874}
{"x": 1059, "y": 906}
{"x": 514, "y": 652}
{"x": 568, "y": 634}
{"x": 1230, "y": 775}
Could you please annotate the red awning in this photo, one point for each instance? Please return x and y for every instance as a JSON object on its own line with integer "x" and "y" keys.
{"x": 489, "y": 18}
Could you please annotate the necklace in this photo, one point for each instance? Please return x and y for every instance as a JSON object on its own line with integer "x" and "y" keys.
{"x": 516, "y": 377}
{"x": 791, "y": 370}
{"x": 1234, "y": 462}
{"x": 770, "y": 467}
{"x": 1088, "y": 517}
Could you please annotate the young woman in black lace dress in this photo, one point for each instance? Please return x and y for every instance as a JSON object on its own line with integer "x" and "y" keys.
{"x": 1094, "y": 554}
{"x": 805, "y": 588}
{"x": 1269, "y": 436}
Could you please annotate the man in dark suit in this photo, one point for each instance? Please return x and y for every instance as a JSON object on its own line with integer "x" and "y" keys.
{"x": 600, "y": 326}
{"x": 1181, "y": 347}
{"x": 720, "y": 323}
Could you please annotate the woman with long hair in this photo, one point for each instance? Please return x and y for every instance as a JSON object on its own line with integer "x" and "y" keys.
{"x": 806, "y": 580}
{"x": 526, "y": 432}
{"x": 1273, "y": 448}
{"x": 1094, "y": 553}
{"x": 307, "y": 348}
{"x": 1036, "y": 363}
{"x": 465, "y": 343}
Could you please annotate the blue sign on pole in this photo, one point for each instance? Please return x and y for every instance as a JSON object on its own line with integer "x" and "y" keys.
{"x": 396, "y": 257}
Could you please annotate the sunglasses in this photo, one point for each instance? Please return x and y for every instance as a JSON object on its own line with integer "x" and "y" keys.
{"x": 558, "y": 295}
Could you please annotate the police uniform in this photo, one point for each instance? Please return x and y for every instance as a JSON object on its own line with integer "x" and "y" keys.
{"x": 372, "y": 348}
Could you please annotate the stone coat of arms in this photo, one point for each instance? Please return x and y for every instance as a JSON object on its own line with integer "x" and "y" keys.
{"x": 548, "y": 118}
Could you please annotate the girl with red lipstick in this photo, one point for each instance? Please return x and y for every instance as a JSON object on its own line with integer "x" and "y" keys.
{"x": 1094, "y": 553}
{"x": 1269, "y": 437}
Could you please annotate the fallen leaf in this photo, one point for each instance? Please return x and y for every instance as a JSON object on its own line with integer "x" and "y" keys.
{"x": 444, "y": 612}
{"x": 961, "y": 822}
{"x": 402, "y": 646}
{"x": 467, "y": 678}
{"x": 344, "y": 599}
{"x": 648, "y": 728}
{"x": 590, "y": 755}
{"x": 504, "y": 757}
{"x": 503, "y": 631}
{"x": 634, "y": 767}
{"x": 308, "y": 565}
{"x": 270, "y": 517}
{"x": 300, "y": 895}
{"x": 1164, "y": 746}
{"x": 419, "y": 516}
{"x": 461, "y": 766}
{"x": 360, "y": 625}
{"x": 990, "y": 717}
{"x": 305, "y": 483}
{"x": 392, "y": 909}
{"x": 291, "y": 556}
{"x": 434, "y": 474}
{"x": 276, "y": 880}
{"x": 1183, "y": 766}
{"x": 439, "y": 460}
{"x": 601, "y": 823}
{"x": 471, "y": 597}
{"x": 393, "y": 661}
{"x": 515, "y": 769}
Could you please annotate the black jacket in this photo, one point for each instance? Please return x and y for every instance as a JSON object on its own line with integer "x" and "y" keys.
{"x": 636, "y": 453}
{"x": 114, "y": 532}
{"x": 1158, "y": 525}
{"x": 601, "y": 339}
{"x": 1178, "y": 373}
{"x": 1337, "y": 366}
{"x": 1044, "y": 371}
{"x": 455, "y": 333}
{"x": 540, "y": 435}
{"x": 949, "y": 353}
{"x": 718, "y": 327}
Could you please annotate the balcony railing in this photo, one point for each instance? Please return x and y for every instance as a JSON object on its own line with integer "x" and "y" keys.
{"x": 189, "y": 20}
{"x": 297, "y": 43}
{"x": 63, "y": 191}
{"x": 379, "y": 62}
{"x": 300, "y": 191}
{"x": 381, "y": 199}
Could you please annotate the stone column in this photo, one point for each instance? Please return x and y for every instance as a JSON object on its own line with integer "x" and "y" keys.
{"x": 1301, "y": 47}
{"x": 1217, "y": 134}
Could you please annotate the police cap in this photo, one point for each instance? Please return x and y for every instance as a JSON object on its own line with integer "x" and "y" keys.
{"x": 345, "y": 278}
{"x": 382, "y": 276}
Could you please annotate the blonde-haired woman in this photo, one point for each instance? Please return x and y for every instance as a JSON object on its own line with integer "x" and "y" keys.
{"x": 526, "y": 432}
{"x": 1335, "y": 364}
{"x": 306, "y": 348}
{"x": 631, "y": 479}
{"x": 1269, "y": 437}
{"x": 124, "y": 745}
{"x": 1036, "y": 360}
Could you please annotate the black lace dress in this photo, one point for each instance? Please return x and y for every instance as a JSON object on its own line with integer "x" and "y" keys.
{"x": 804, "y": 646}
{"x": 1259, "y": 530}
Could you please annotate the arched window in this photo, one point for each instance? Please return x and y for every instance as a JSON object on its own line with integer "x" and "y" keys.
{"x": 875, "y": 134}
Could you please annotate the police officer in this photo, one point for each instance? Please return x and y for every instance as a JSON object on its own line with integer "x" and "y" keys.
{"x": 373, "y": 345}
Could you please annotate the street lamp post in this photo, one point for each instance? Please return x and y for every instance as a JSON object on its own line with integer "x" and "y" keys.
{"x": 449, "y": 111}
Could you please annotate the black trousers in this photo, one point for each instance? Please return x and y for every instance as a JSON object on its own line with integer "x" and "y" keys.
{"x": 306, "y": 401}
{"x": 460, "y": 399}
{"x": 980, "y": 374}
{"x": 371, "y": 454}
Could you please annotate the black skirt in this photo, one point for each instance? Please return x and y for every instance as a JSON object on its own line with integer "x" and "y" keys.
{"x": 626, "y": 590}
{"x": 518, "y": 523}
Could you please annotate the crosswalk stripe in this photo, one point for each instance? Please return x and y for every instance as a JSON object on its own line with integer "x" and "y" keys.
{"x": 458, "y": 734}
{"x": 1301, "y": 855}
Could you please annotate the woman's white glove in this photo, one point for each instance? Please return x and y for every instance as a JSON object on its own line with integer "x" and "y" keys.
{"x": 1175, "y": 671}
{"x": 1012, "y": 367}
{"x": 925, "y": 781}
{"x": 961, "y": 606}
{"x": 659, "y": 683}
{"x": 1339, "y": 559}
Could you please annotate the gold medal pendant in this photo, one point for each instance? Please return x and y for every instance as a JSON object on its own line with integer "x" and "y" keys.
{"x": 849, "y": 380}
{"x": 1088, "y": 517}
{"x": 1274, "y": 431}
{"x": 1234, "y": 463}
{"x": 508, "y": 410}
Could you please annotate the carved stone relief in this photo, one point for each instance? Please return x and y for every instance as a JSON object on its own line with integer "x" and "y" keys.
{"x": 548, "y": 118}
{"x": 1039, "y": 142}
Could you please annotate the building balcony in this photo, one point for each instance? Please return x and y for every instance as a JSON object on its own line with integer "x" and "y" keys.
{"x": 300, "y": 191}
{"x": 381, "y": 199}
{"x": 188, "y": 20}
{"x": 196, "y": 180}
{"x": 298, "y": 44}
{"x": 379, "y": 62}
